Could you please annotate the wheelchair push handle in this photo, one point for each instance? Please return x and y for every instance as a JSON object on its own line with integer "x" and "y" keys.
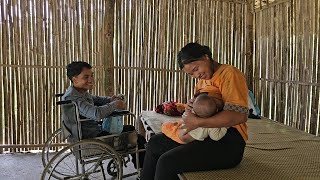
{"x": 119, "y": 113}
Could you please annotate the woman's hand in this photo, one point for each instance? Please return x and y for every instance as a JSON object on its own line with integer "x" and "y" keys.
{"x": 190, "y": 102}
{"x": 191, "y": 121}
{"x": 190, "y": 105}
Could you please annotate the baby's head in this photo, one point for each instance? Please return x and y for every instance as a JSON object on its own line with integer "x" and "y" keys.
{"x": 205, "y": 106}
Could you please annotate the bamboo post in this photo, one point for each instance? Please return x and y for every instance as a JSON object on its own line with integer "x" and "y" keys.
{"x": 108, "y": 35}
{"x": 249, "y": 43}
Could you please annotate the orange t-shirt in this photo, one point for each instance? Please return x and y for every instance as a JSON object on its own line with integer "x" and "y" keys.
{"x": 230, "y": 85}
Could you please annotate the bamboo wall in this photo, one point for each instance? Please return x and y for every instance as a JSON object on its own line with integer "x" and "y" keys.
{"x": 131, "y": 44}
{"x": 148, "y": 35}
{"x": 38, "y": 39}
{"x": 286, "y": 62}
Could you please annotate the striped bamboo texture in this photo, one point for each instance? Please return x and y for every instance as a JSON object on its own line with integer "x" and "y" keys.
{"x": 133, "y": 45}
{"x": 148, "y": 35}
{"x": 286, "y": 62}
{"x": 38, "y": 39}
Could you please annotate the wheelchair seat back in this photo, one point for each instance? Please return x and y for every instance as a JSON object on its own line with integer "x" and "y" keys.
{"x": 70, "y": 122}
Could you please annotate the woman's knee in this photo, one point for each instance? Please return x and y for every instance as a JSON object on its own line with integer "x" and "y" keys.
{"x": 159, "y": 144}
{"x": 154, "y": 144}
{"x": 166, "y": 160}
{"x": 167, "y": 167}
{"x": 237, "y": 160}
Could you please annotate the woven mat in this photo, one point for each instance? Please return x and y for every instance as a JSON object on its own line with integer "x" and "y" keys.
{"x": 274, "y": 151}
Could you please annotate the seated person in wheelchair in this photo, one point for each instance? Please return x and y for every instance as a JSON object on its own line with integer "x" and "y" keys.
{"x": 94, "y": 107}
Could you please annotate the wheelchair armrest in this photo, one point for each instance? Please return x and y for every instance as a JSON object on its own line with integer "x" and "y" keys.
{"x": 63, "y": 102}
{"x": 80, "y": 120}
{"x": 113, "y": 114}
{"x": 59, "y": 95}
{"x": 119, "y": 113}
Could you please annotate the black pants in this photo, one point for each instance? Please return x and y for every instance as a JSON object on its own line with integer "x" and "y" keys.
{"x": 165, "y": 158}
{"x": 141, "y": 143}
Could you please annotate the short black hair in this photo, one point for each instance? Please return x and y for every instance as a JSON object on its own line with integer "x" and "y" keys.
{"x": 204, "y": 105}
{"x": 75, "y": 68}
{"x": 193, "y": 52}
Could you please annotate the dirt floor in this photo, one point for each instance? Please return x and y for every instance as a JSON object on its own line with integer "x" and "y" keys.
{"x": 28, "y": 166}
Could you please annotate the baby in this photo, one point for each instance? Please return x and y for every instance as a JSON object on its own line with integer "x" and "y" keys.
{"x": 203, "y": 106}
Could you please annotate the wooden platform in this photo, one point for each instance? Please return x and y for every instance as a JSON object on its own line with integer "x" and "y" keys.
{"x": 274, "y": 151}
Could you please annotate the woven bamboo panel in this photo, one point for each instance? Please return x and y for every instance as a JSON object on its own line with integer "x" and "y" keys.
{"x": 148, "y": 35}
{"x": 38, "y": 39}
{"x": 286, "y": 63}
{"x": 131, "y": 44}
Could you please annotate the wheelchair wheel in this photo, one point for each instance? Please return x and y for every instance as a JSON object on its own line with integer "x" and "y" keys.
{"x": 55, "y": 138}
{"x": 111, "y": 168}
{"x": 87, "y": 159}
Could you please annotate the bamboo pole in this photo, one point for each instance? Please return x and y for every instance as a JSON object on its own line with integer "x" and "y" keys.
{"x": 2, "y": 73}
{"x": 108, "y": 47}
{"x": 249, "y": 43}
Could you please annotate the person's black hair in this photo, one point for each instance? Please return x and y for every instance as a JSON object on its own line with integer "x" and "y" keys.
{"x": 75, "y": 68}
{"x": 193, "y": 52}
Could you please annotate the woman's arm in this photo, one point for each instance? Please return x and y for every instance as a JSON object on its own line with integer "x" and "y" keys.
{"x": 222, "y": 119}
{"x": 234, "y": 91}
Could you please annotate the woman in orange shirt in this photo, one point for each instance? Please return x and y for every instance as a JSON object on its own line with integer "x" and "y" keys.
{"x": 166, "y": 158}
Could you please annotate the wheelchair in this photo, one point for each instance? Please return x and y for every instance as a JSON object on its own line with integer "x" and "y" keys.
{"x": 54, "y": 143}
{"x": 97, "y": 158}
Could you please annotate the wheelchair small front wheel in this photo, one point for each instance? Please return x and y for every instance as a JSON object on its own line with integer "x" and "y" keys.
{"x": 111, "y": 168}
